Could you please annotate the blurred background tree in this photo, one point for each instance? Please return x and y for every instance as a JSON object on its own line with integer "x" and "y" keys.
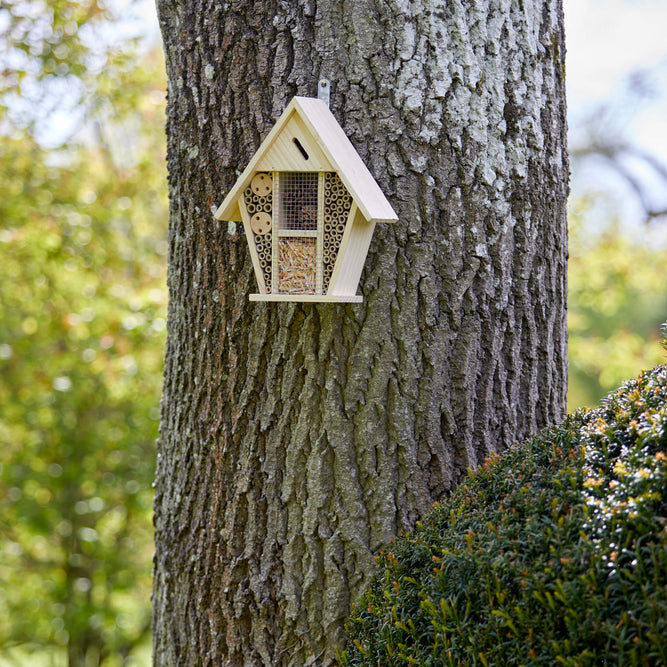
{"x": 618, "y": 241}
{"x": 617, "y": 303}
{"x": 82, "y": 307}
{"x": 617, "y": 99}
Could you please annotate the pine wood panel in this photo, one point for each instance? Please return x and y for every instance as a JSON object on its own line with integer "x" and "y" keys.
{"x": 308, "y": 298}
{"x": 352, "y": 254}
{"x": 245, "y": 217}
{"x": 328, "y": 148}
{"x": 284, "y": 155}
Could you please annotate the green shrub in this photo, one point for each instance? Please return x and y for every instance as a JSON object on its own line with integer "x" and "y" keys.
{"x": 553, "y": 554}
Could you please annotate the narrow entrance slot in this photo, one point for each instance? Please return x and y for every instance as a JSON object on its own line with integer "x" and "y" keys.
{"x": 302, "y": 150}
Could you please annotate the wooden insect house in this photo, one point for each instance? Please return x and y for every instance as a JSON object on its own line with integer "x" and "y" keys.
{"x": 308, "y": 205}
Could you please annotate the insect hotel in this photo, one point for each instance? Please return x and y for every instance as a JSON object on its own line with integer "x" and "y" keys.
{"x": 308, "y": 205}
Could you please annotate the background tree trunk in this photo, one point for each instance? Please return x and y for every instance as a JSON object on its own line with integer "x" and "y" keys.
{"x": 297, "y": 439}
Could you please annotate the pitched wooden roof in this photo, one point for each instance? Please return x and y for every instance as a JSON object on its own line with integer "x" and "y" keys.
{"x": 319, "y": 137}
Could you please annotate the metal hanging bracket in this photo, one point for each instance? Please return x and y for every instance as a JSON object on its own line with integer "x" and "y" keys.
{"x": 323, "y": 90}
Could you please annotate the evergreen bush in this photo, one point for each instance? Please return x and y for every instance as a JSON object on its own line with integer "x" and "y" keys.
{"x": 554, "y": 553}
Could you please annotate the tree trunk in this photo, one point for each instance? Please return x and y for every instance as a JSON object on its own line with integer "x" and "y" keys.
{"x": 298, "y": 439}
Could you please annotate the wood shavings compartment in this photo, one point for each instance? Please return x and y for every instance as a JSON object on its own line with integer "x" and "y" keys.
{"x": 308, "y": 205}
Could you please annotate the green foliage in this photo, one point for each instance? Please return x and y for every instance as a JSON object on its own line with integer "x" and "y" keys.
{"x": 48, "y": 39}
{"x": 82, "y": 319}
{"x": 56, "y": 54}
{"x": 617, "y": 301}
{"x": 553, "y": 554}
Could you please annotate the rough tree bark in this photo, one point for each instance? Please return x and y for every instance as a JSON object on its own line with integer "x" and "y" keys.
{"x": 297, "y": 439}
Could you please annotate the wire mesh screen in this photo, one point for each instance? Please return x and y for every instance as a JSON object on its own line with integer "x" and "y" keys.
{"x": 297, "y": 265}
{"x": 298, "y": 198}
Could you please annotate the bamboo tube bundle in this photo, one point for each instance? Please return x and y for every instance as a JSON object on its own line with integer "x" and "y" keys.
{"x": 337, "y": 204}
{"x": 259, "y": 196}
{"x": 259, "y": 204}
{"x": 264, "y": 252}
